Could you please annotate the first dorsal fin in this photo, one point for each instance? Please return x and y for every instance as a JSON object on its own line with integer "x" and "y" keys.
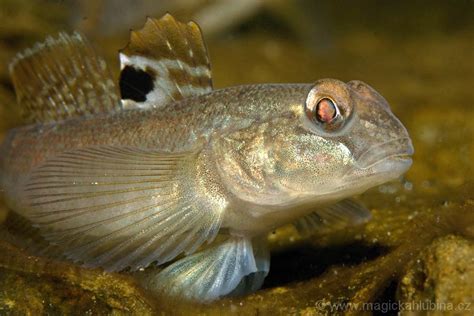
{"x": 62, "y": 78}
{"x": 165, "y": 61}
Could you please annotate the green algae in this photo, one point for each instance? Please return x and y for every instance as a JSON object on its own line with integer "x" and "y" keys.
{"x": 422, "y": 227}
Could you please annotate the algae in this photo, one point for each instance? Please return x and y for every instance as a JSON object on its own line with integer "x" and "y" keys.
{"x": 418, "y": 247}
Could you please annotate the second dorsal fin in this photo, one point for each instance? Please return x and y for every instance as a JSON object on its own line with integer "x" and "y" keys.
{"x": 62, "y": 78}
{"x": 165, "y": 61}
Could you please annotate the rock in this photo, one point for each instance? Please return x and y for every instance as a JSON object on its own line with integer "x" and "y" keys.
{"x": 38, "y": 286}
{"x": 441, "y": 279}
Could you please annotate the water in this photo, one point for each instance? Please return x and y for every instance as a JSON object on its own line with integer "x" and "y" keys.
{"x": 419, "y": 56}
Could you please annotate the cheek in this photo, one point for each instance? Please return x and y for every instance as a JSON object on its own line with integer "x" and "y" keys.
{"x": 322, "y": 166}
{"x": 306, "y": 165}
{"x": 324, "y": 160}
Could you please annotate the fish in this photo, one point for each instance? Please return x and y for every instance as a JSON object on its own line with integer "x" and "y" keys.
{"x": 161, "y": 169}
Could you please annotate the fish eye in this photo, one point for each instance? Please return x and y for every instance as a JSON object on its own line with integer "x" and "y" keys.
{"x": 324, "y": 112}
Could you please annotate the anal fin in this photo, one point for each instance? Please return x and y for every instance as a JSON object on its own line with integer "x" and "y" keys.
{"x": 62, "y": 78}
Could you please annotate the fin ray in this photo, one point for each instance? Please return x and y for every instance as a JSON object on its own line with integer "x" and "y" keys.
{"x": 345, "y": 213}
{"x": 113, "y": 222}
{"x": 62, "y": 78}
{"x": 165, "y": 61}
{"x": 211, "y": 273}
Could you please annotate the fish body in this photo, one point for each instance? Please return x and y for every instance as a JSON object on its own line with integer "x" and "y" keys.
{"x": 122, "y": 184}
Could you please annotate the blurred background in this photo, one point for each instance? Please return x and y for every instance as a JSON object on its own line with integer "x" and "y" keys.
{"x": 418, "y": 54}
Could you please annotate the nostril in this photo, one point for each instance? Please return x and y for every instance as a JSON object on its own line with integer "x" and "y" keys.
{"x": 356, "y": 84}
{"x": 360, "y": 86}
{"x": 368, "y": 93}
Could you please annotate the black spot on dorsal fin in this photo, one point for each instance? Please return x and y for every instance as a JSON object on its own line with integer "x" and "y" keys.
{"x": 174, "y": 54}
{"x": 135, "y": 84}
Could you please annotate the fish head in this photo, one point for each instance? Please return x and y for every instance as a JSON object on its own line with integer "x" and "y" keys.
{"x": 338, "y": 140}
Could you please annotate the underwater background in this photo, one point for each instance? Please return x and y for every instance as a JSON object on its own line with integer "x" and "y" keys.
{"x": 418, "y": 248}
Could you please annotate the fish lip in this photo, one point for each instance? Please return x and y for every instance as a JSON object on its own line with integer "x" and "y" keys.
{"x": 399, "y": 149}
{"x": 384, "y": 170}
{"x": 397, "y": 163}
{"x": 389, "y": 167}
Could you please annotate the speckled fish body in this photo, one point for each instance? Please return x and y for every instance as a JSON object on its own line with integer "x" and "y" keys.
{"x": 175, "y": 127}
{"x": 181, "y": 126}
{"x": 125, "y": 183}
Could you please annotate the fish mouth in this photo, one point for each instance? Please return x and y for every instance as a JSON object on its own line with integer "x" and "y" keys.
{"x": 395, "y": 153}
{"x": 396, "y": 164}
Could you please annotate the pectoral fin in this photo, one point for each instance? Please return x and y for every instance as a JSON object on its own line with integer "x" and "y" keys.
{"x": 343, "y": 214}
{"x": 119, "y": 207}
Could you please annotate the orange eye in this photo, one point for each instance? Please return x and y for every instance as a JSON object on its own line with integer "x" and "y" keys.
{"x": 326, "y": 110}
{"x": 328, "y": 106}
